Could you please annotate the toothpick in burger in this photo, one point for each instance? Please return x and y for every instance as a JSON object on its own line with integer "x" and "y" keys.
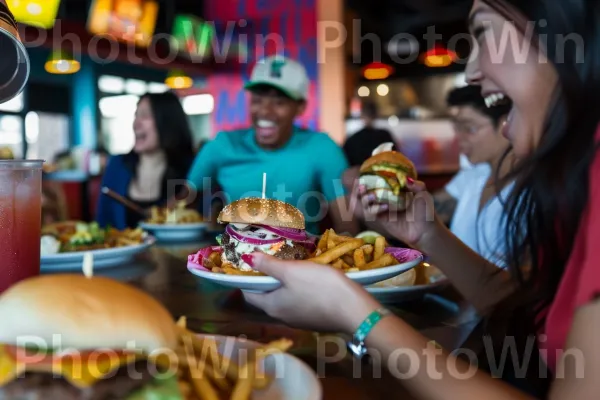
{"x": 385, "y": 175}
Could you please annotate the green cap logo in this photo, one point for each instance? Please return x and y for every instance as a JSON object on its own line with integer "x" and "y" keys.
{"x": 276, "y": 67}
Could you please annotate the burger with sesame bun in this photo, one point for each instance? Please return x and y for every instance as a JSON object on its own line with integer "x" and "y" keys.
{"x": 76, "y": 338}
{"x": 385, "y": 175}
{"x": 263, "y": 225}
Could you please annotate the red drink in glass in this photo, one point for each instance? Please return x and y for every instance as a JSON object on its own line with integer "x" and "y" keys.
{"x": 20, "y": 220}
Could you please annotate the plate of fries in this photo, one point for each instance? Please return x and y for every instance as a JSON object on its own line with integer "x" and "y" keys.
{"x": 176, "y": 224}
{"x": 115, "y": 248}
{"x": 362, "y": 262}
{"x": 222, "y": 367}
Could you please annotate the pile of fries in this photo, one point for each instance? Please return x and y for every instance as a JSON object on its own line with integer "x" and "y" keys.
{"x": 176, "y": 216}
{"x": 216, "y": 264}
{"x": 205, "y": 374}
{"x": 128, "y": 237}
{"x": 350, "y": 254}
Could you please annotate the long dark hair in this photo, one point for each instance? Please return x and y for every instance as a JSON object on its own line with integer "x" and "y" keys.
{"x": 552, "y": 185}
{"x": 174, "y": 134}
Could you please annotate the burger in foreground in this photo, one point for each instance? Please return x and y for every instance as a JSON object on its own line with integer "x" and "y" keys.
{"x": 70, "y": 337}
{"x": 385, "y": 175}
{"x": 264, "y": 225}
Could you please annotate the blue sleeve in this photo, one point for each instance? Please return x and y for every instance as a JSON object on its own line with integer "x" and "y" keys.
{"x": 332, "y": 164}
{"x": 206, "y": 163}
{"x": 104, "y": 214}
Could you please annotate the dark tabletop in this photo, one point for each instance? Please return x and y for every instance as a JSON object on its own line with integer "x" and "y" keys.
{"x": 213, "y": 309}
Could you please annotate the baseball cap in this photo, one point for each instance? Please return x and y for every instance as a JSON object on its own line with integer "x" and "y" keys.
{"x": 282, "y": 73}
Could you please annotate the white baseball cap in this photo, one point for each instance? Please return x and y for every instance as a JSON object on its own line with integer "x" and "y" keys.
{"x": 282, "y": 73}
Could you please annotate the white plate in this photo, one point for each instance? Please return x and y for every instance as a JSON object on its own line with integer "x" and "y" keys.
{"x": 294, "y": 380}
{"x": 396, "y": 294}
{"x": 176, "y": 233}
{"x": 103, "y": 258}
{"x": 267, "y": 284}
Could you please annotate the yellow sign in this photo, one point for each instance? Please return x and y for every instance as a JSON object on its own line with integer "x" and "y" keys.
{"x": 126, "y": 20}
{"x": 40, "y": 13}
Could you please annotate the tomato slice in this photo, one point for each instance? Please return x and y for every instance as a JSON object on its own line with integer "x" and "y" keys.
{"x": 387, "y": 174}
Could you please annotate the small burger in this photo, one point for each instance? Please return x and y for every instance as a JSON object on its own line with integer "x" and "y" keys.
{"x": 385, "y": 175}
{"x": 263, "y": 225}
{"x": 72, "y": 337}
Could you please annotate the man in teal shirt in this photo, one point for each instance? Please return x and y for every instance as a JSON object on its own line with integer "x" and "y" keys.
{"x": 304, "y": 168}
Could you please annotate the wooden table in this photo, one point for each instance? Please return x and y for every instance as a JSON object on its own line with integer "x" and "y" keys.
{"x": 213, "y": 309}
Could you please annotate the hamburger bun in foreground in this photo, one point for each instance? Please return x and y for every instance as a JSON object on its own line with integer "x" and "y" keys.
{"x": 385, "y": 175}
{"x": 264, "y": 225}
{"x": 88, "y": 332}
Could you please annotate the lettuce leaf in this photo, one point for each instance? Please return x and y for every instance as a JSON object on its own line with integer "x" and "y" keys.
{"x": 160, "y": 389}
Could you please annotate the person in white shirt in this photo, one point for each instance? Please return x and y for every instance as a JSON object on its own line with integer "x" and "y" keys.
{"x": 472, "y": 203}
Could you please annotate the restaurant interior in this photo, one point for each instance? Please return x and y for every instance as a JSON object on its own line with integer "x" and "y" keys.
{"x": 381, "y": 65}
{"x": 90, "y": 112}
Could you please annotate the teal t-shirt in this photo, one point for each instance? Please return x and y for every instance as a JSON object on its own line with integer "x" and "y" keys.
{"x": 306, "y": 172}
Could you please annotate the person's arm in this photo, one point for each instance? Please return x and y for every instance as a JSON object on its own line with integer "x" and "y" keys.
{"x": 433, "y": 373}
{"x": 393, "y": 335}
{"x": 307, "y": 299}
{"x": 482, "y": 283}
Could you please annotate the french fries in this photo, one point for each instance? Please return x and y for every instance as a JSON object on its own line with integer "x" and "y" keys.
{"x": 229, "y": 270}
{"x": 379, "y": 248}
{"x": 385, "y": 261}
{"x": 208, "y": 374}
{"x": 338, "y": 251}
{"x": 351, "y": 255}
{"x": 178, "y": 215}
{"x": 359, "y": 258}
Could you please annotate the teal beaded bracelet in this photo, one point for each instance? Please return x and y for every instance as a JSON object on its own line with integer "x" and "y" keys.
{"x": 357, "y": 345}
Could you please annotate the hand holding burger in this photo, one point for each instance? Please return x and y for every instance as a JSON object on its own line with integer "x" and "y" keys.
{"x": 386, "y": 174}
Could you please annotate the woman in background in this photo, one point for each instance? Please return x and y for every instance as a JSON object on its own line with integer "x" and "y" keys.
{"x": 163, "y": 151}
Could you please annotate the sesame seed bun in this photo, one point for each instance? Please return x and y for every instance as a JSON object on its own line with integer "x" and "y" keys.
{"x": 259, "y": 211}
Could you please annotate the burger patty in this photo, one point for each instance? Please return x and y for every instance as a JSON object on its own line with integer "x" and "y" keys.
{"x": 40, "y": 386}
{"x": 295, "y": 252}
{"x": 287, "y": 252}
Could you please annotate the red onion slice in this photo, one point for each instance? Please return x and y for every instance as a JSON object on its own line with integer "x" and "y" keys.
{"x": 248, "y": 237}
{"x": 297, "y": 235}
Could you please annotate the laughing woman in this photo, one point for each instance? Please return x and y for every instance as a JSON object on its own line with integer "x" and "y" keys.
{"x": 162, "y": 151}
{"x": 552, "y": 286}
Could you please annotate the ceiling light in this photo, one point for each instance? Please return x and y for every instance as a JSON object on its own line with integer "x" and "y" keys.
{"x": 179, "y": 80}
{"x": 62, "y": 62}
{"x": 364, "y": 91}
{"x": 383, "y": 89}
{"x": 438, "y": 57}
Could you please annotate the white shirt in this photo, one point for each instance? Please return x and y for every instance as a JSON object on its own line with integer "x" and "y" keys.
{"x": 483, "y": 232}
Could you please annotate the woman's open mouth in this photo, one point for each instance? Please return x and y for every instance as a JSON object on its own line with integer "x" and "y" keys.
{"x": 497, "y": 99}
